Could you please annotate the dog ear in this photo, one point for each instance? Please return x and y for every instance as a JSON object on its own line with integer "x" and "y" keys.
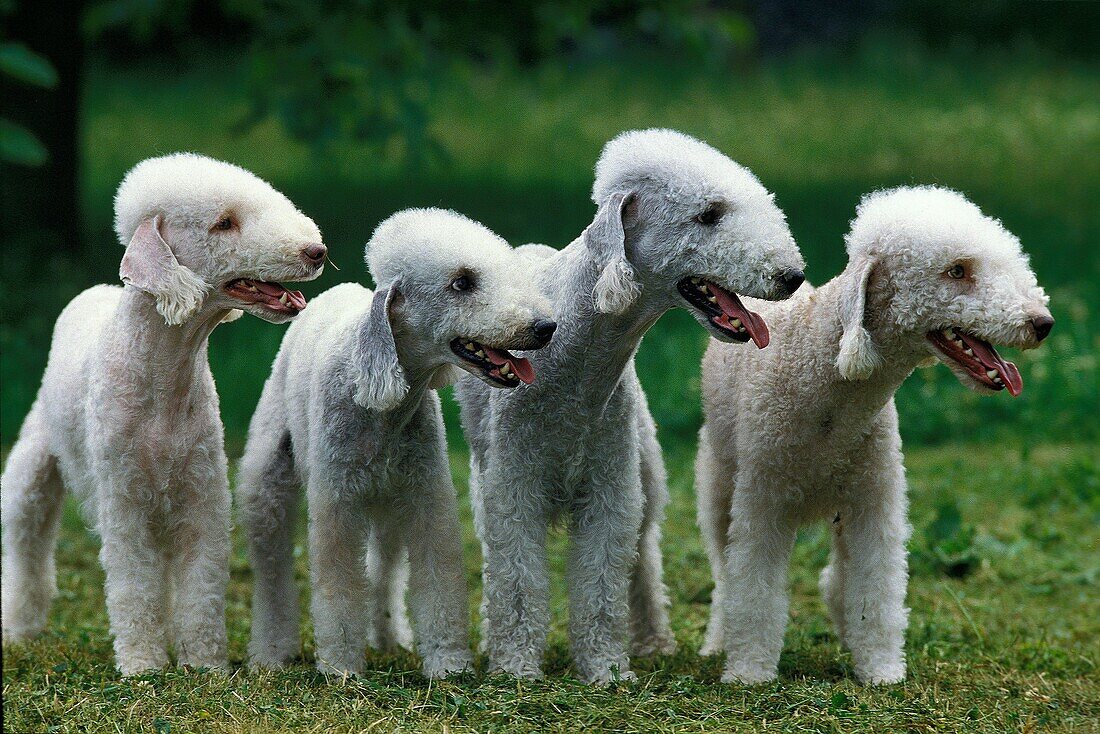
{"x": 150, "y": 266}
{"x": 618, "y": 286}
{"x": 381, "y": 382}
{"x": 858, "y": 357}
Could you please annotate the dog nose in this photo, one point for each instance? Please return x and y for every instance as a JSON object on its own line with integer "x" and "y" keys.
{"x": 1042, "y": 326}
{"x": 791, "y": 279}
{"x": 314, "y": 254}
{"x": 544, "y": 329}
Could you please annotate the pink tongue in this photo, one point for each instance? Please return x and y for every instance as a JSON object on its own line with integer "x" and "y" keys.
{"x": 520, "y": 367}
{"x": 275, "y": 290}
{"x": 988, "y": 356}
{"x": 732, "y": 309}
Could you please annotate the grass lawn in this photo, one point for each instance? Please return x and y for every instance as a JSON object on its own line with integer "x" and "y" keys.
{"x": 1003, "y": 635}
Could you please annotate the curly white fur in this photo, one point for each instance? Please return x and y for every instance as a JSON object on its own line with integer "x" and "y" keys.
{"x": 349, "y": 411}
{"x": 807, "y": 429}
{"x": 127, "y": 415}
{"x": 580, "y": 442}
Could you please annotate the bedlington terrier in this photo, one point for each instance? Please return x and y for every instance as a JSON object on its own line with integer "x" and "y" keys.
{"x": 678, "y": 224}
{"x": 808, "y": 430}
{"x": 350, "y": 412}
{"x": 127, "y": 415}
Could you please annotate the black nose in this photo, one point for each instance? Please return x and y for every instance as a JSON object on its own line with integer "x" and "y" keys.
{"x": 315, "y": 253}
{"x": 791, "y": 279}
{"x": 544, "y": 329}
{"x": 1042, "y": 326}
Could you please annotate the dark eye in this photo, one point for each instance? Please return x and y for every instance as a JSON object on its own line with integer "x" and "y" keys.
{"x": 224, "y": 224}
{"x": 956, "y": 271}
{"x": 462, "y": 283}
{"x": 709, "y": 216}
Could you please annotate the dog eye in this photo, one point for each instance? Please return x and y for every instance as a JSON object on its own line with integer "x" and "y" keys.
{"x": 224, "y": 224}
{"x": 709, "y": 216}
{"x": 956, "y": 271}
{"x": 462, "y": 283}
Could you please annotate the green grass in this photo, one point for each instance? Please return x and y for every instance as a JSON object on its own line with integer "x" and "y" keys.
{"x": 1002, "y": 636}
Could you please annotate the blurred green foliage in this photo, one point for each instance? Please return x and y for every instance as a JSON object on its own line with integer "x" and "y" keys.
{"x": 20, "y": 64}
{"x": 1012, "y": 130}
{"x": 364, "y": 70}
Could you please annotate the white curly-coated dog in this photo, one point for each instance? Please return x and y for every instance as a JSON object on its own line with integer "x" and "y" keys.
{"x": 350, "y": 412}
{"x": 678, "y": 225}
{"x": 807, "y": 430}
{"x": 127, "y": 414}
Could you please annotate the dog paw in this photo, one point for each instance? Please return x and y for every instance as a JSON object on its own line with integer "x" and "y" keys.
{"x": 130, "y": 664}
{"x": 654, "y": 645}
{"x": 711, "y": 648}
{"x": 517, "y": 668}
{"x": 882, "y": 676}
{"x": 749, "y": 675}
{"x": 447, "y": 665}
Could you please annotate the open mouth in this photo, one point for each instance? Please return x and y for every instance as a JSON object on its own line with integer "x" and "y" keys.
{"x": 979, "y": 359}
{"x": 271, "y": 296}
{"x": 499, "y": 365}
{"x": 724, "y": 310}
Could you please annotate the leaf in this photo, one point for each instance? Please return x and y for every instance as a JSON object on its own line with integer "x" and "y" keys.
{"x": 19, "y": 145}
{"x": 18, "y": 61}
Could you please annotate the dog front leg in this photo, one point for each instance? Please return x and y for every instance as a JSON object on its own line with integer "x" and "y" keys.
{"x": 755, "y": 590}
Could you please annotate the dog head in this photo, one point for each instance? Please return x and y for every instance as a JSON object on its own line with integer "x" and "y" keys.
{"x": 450, "y": 292}
{"x": 203, "y": 234}
{"x": 929, "y": 275}
{"x": 680, "y": 224}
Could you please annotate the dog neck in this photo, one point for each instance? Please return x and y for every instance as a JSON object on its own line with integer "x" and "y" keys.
{"x": 820, "y": 329}
{"x": 170, "y": 356}
{"x": 590, "y": 348}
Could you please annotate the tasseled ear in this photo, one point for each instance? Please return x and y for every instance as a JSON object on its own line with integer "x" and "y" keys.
{"x": 858, "y": 357}
{"x": 618, "y": 285}
{"x": 150, "y": 266}
{"x": 381, "y": 384}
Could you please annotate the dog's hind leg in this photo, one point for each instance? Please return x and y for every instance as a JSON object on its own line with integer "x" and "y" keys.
{"x": 649, "y": 602}
{"x": 268, "y": 493}
{"x": 32, "y": 500}
{"x": 712, "y": 497}
{"x": 388, "y": 571}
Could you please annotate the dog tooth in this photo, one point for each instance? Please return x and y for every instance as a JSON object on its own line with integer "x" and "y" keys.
{"x": 480, "y": 353}
{"x": 283, "y": 298}
{"x": 470, "y": 346}
{"x": 736, "y": 323}
{"x": 712, "y": 299}
{"x": 968, "y": 352}
{"x": 696, "y": 281}
{"x": 991, "y": 374}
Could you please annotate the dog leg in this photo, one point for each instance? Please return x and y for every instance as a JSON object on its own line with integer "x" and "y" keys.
{"x": 136, "y": 585}
{"x": 516, "y": 602}
{"x": 649, "y": 602}
{"x": 603, "y": 542}
{"x": 337, "y": 537}
{"x": 200, "y": 570}
{"x": 32, "y": 501}
{"x": 755, "y": 593}
{"x": 388, "y": 572}
{"x": 875, "y": 574}
{"x": 268, "y": 493}
{"x": 712, "y": 497}
{"x": 437, "y": 578}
